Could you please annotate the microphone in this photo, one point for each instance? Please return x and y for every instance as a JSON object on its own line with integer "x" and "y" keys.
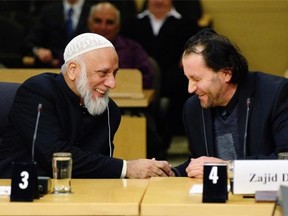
{"x": 36, "y": 128}
{"x": 248, "y": 102}
{"x": 24, "y": 178}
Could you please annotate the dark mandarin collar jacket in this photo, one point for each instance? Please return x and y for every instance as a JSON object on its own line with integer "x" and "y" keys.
{"x": 64, "y": 125}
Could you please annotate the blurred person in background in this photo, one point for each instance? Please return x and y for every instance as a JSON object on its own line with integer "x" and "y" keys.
{"x": 105, "y": 19}
{"x": 56, "y": 25}
{"x": 162, "y": 31}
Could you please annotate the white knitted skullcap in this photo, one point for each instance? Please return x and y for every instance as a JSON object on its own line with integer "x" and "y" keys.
{"x": 83, "y": 43}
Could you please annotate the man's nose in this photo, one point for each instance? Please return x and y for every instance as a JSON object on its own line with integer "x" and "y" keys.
{"x": 192, "y": 87}
{"x": 110, "y": 82}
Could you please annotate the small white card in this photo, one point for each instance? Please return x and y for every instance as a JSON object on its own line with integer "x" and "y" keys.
{"x": 198, "y": 189}
{"x": 5, "y": 190}
{"x": 259, "y": 175}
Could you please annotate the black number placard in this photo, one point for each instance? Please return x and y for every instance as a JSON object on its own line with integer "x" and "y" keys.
{"x": 24, "y": 184}
{"x": 215, "y": 183}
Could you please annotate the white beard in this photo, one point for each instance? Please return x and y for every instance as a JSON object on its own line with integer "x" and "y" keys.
{"x": 94, "y": 106}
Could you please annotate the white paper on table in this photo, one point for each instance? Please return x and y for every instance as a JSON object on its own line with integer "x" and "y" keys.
{"x": 198, "y": 189}
{"x": 5, "y": 190}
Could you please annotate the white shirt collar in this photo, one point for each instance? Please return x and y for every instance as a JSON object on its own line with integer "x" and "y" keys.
{"x": 172, "y": 13}
{"x": 157, "y": 23}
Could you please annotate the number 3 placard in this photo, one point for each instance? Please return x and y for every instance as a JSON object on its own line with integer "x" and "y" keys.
{"x": 215, "y": 183}
{"x": 24, "y": 185}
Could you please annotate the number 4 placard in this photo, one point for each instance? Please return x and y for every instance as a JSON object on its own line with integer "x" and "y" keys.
{"x": 215, "y": 183}
{"x": 24, "y": 185}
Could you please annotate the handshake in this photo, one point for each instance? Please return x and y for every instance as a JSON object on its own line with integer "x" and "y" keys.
{"x": 147, "y": 168}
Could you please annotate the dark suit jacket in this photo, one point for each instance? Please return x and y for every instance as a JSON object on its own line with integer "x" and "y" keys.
{"x": 50, "y": 32}
{"x": 166, "y": 48}
{"x": 267, "y": 132}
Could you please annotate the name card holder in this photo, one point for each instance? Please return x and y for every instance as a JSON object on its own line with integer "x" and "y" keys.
{"x": 259, "y": 175}
{"x": 283, "y": 198}
{"x": 215, "y": 183}
{"x": 24, "y": 183}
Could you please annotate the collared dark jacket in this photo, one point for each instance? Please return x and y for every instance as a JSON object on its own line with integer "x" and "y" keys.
{"x": 64, "y": 126}
{"x": 166, "y": 48}
{"x": 267, "y": 120}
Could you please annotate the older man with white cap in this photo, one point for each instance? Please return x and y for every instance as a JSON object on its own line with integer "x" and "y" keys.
{"x": 77, "y": 116}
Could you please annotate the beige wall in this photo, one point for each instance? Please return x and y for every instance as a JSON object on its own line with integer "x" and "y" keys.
{"x": 258, "y": 27}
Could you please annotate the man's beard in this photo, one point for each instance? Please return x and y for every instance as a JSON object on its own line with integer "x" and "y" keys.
{"x": 95, "y": 106}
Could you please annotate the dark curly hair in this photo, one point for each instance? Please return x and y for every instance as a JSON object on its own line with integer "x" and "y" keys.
{"x": 218, "y": 53}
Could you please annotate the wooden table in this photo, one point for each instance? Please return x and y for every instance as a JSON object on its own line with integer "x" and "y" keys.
{"x": 157, "y": 196}
{"x": 170, "y": 196}
{"x": 89, "y": 197}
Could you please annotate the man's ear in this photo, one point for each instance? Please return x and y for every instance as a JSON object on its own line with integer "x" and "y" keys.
{"x": 227, "y": 74}
{"x": 72, "y": 71}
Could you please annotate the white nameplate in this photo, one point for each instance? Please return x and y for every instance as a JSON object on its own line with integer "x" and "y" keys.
{"x": 257, "y": 175}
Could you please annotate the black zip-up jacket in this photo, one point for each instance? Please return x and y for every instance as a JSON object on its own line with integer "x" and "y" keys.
{"x": 264, "y": 98}
{"x": 64, "y": 126}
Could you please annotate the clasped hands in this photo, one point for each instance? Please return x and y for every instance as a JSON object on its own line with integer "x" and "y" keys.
{"x": 147, "y": 168}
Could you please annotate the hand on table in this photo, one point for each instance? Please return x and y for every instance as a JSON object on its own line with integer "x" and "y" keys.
{"x": 195, "y": 168}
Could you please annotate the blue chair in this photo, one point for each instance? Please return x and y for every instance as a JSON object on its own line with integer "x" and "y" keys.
{"x": 8, "y": 91}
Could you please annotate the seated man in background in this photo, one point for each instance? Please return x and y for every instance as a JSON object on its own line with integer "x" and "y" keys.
{"x": 105, "y": 19}
{"x": 233, "y": 113}
{"x": 77, "y": 117}
{"x": 56, "y": 25}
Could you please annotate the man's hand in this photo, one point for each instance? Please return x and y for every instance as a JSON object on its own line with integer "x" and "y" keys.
{"x": 145, "y": 168}
{"x": 46, "y": 56}
{"x": 195, "y": 168}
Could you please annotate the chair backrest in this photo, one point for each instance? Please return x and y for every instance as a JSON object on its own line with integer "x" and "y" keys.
{"x": 157, "y": 77}
{"x": 8, "y": 91}
{"x": 128, "y": 84}
{"x": 19, "y": 75}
